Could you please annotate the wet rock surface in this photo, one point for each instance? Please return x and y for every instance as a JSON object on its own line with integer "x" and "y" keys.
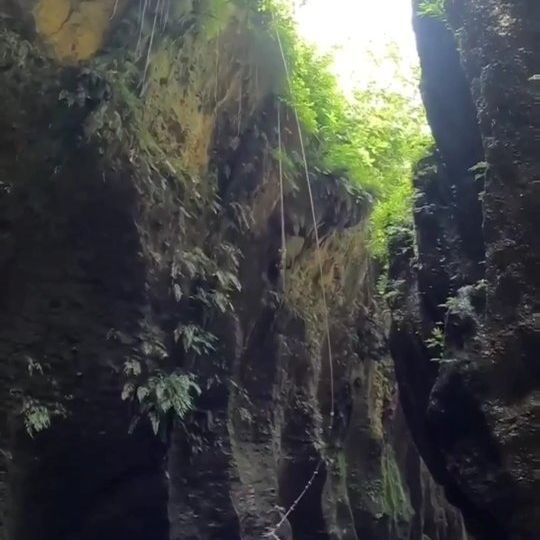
{"x": 126, "y": 192}
{"x": 464, "y": 336}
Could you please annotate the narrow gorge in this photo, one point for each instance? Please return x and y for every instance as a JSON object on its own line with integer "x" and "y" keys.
{"x": 198, "y": 340}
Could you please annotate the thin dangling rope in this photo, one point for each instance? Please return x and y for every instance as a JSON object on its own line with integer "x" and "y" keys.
{"x": 216, "y": 89}
{"x": 282, "y": 200}
{"x": 115, "y": 7}
{"x": 315, "y": 228}
{"x": 296, "y": 502}
{"x": 150, "y": 45}
{"x": 272, "y": 533}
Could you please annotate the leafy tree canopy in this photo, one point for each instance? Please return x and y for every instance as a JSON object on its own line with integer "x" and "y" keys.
{"x": 372, "y": 139}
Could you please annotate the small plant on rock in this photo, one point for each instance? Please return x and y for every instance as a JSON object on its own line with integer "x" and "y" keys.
{"x": 459, "y": 304}
{"x": 37, "y": 415}
{"x": 436, "y": 341}
{"x": 479, "y": 170}
{"x": 162, "y": 396}
{"x": 432, "y": 8}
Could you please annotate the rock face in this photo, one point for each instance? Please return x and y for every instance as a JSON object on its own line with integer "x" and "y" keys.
{"x": 140, "y": 242}
{"x": 465, "y": 334}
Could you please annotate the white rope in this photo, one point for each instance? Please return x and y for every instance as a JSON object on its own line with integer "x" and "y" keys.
{"x": 115, "y": 7}
{"x": 282, "y": 199}
{"x": 216, "y": 89}
{"x": 150, "y": 45}
{"x": 315, "y": 229}
{"x": 296, "y": 502}
{"x": 272, "y": 533}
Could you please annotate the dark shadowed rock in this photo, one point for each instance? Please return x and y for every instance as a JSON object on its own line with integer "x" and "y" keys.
{"x": 472, "y": 398}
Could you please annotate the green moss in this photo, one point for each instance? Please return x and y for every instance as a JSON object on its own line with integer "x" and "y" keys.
{"x": 157, "y": 127}
{"x": 371, "y": 141}
{"x": 394, "y": 498}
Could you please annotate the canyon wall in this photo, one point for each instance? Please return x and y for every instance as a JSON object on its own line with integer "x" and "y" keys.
{"x": 141, "y": 254}
{"x": 465, "y": 334}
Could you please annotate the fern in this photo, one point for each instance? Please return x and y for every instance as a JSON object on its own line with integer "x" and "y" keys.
{"x": 436, "y": 341}
{"x": 161, "y": 396}
{"x": 370, "y": 141}
{"x": 195, "y": 339}
{"x": 458, "y": 304}
{"x": 37, "y": 415}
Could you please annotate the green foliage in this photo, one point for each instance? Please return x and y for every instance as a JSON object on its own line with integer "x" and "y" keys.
{"x": 459, "y": 304}
{"x": 195, "y": 339}
{"x": 479, "y": 170}
{"x": 37, "y": 415}
{"x": 432, "y": 8}
{"x": 390, "y": 290}
{"x": 372, "y": 140}
{"x": 395, "y": 500}
{"x": 207, "y": 282}
{"x": 216, "y": 15}
{"x": 218, "y": 271}
{"x": 436, "y": 341}
{"x": 161, "y": 396}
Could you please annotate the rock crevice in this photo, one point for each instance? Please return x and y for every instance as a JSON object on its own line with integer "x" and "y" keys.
{"x": 464, "y": 313}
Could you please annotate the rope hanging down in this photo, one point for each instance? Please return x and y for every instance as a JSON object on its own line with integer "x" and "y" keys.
{"x": 282, "y": 199}
{"x": 272, "y": 533}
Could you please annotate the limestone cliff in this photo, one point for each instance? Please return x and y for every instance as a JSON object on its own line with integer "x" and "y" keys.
{"x": 140, "y": 247}
{"x": 465, "y": 335}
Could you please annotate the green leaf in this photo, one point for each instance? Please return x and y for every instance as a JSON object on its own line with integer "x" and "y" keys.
{"x": 132, "y": 367}
{"x": 142, "y": 393}
{"x": 127, "y": 391}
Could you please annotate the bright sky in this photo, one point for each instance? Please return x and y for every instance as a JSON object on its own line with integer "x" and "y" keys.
{"x": 352, "y": 28}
